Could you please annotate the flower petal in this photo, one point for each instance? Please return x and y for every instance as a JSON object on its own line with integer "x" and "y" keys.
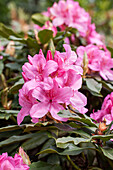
{"x": 54, "y": 109}
{"x": 39, "y": 110}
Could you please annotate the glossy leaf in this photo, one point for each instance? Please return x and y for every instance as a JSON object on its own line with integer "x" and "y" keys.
{"x": 40, "y": 165}
{"x": 45, "y": 35}
{"x": 39, "y": 19}
{"x": 94, "y": 87}
{"x": 108, "y": 152}
{"x": 60, "y": 142}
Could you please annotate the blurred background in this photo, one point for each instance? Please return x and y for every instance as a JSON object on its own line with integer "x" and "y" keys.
{"x": 17, "y": 14}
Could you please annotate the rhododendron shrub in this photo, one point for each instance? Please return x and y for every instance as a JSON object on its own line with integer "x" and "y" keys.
{"x": 99, "y": 60}
{"x": 50, "y": 84}
{"x": 10, "y": 163}
{"x": 106, "y": 112}
{"x": 69, "y": 14}
{"x": 50, "y": 101}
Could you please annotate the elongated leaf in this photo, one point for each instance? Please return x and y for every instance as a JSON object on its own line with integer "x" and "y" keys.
{"x": 103, "y": 137}
{"x": 38, "y": 140}
{"x": 9, "y": 148}
{"x": 1, "y": 67}
{"x": 111, "y": 50}
{"x": 71, "y": 150}
{"x": 14, "y": 139}
{"x": 9, "y": 128}
{"x": 83, "y": 119}
{"x": 64, "y": 127}
{"x": 93, "y": 86}
{"x": 13, "y": 66}
{"x": 62, "y": 141}
{"x": 18, "y": 85}
{"x": 44, "y": 166}
{"x": 39, "y": 19}
{"x": 45, "y": 36}
{"x": 6, "y": 32}
{"x": 6, "y": 114}
{"x": 108, "y": 152}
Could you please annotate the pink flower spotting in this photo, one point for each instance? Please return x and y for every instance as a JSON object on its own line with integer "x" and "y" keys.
{"x": 10, "y": 163}
{"x": 99, "y": 60}
{"x": 51, "y": 84}
{"x": 106, "y": 112}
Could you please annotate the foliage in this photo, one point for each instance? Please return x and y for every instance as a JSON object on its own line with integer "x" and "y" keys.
{"x": 79, "y": 143}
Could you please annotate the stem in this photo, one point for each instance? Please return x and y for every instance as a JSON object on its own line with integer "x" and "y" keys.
{"x": 72, "y": 163}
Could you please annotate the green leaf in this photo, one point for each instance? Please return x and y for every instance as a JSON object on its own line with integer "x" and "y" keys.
{"x": 13, "y": 66}
{"x": 39, "y": 19}
{"x": 9, "y": 148}
{"x": 6, "y": 32}
{"x": 93, "y": 86}
{"x": 48, "y": 144}
{"x": 7, "y": 133}
{"x": 45, "y": 35}
{"x": 30, "y": 42}
{"x": 60, "y": 142}
{"x": 38, "y": 140}
{"x": 1, "y": 66}
{"x": 54, "y": 159}
{"x": 111, "y": 50}
{"x": 106, "y": 85}
{"x": 103, "y": 137}
{"x": 6, "y": 114}
{"x": 14, "y": 79}
{"x": 18, "y": 85}
{"x": 64, "y": 127}
{"x": 19, "y": 39}
{"x": 83, "y": 119}
{"x": 81, "y": 133}
{"x": 9, "y": 128}
{"x": 108, "y": 152}
{"x": 71, "y": 150}
{"x": 14, "y": 139}
{"x": 40, "y": 165}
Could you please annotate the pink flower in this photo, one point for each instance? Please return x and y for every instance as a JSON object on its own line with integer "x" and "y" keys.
{"x": 68, "y": 74}
{"x": 80, "y": 19}
{"x": 78, "y": 101}
{"x": 48, "y": 25}
{"x": 38, "y": 67}
{"x": 50, "y": 84}
{"x": 69, "y": 13}
{"x": 10, "y": 163}
{"x": 61, "y": 12}
{"x": 1, "y": 57}
{"x": 98, "y": 60}
{"x": 26, "y": 100}
{"x": 50, "y": 101}
{"x": 92, "y": 36}
{"x": 106, "y": 111}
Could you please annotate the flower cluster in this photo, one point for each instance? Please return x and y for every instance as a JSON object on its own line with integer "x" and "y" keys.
{"x": 10, "y": 163}
{"x": 51, "y": 84}
{"x": 99, "y": 60}
{"x": 69, "y": 14}
{"x": 106, "y": 112}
